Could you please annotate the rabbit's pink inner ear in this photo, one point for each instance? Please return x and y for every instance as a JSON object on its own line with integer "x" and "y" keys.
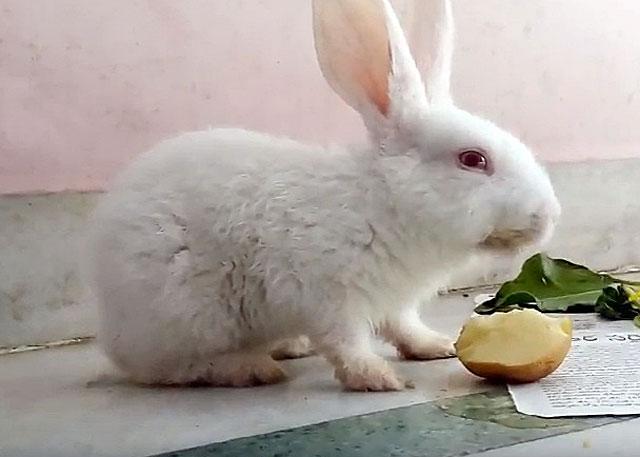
{"x": 377, "y": 91}
{"x": 352, "y": 45}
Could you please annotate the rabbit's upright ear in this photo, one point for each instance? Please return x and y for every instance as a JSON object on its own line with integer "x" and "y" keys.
{"x": 430, "y": 30}
{"x": 365, "y": 57}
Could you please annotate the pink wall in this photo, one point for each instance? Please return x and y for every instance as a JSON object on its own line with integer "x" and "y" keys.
{"x": 85, "y": 86}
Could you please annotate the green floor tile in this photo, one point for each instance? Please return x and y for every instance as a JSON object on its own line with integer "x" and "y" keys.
{"x": 448, "y": 428}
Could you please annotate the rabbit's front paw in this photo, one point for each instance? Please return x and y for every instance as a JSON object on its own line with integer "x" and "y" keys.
{"x": 428, "y": 346}
{"x": 372, "y": 375}
{"x": 414, "y": 340}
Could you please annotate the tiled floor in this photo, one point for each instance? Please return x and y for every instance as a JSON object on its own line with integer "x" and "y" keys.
{"x": 614, "y": 440}
{"x": 68, "y": 402}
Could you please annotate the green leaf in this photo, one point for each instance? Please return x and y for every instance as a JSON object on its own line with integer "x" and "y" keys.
{"x": 550, "y": 285}
{"x": 614, "y": 304}
{"x": 619, "y": 302}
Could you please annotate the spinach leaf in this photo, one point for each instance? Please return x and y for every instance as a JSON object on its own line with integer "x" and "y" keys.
{"x": 550, "y": 285}
{"x": 614, "y": 304}
{"x": 619, "y": 302}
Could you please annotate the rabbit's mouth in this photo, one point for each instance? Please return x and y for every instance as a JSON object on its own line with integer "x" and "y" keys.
{"x": 510, "y": 239}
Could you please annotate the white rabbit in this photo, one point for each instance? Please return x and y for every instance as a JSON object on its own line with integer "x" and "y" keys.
{"x": 216, "y": 244}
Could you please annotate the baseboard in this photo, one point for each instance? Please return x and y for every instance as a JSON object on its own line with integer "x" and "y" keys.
{"x": 42, "y": 297}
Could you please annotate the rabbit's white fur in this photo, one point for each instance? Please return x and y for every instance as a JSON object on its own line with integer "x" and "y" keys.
{"x": 216, "y": 244}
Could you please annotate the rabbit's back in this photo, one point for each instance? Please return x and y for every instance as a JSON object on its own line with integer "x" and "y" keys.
{"x": 209, "y": 237}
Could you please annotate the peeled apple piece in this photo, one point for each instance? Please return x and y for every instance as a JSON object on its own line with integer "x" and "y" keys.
{"x": 518, "y": 346}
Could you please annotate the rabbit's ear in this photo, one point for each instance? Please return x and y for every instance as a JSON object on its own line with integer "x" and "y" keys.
{"x": 430, "y": 30}
{"x": 365, "y": 58}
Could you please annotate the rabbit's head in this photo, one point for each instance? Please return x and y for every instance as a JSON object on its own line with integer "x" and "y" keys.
{"x": 460, "y": 177}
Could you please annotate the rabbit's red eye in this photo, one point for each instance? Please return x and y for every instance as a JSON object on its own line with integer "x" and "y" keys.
{"x": 473, "y": 160}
